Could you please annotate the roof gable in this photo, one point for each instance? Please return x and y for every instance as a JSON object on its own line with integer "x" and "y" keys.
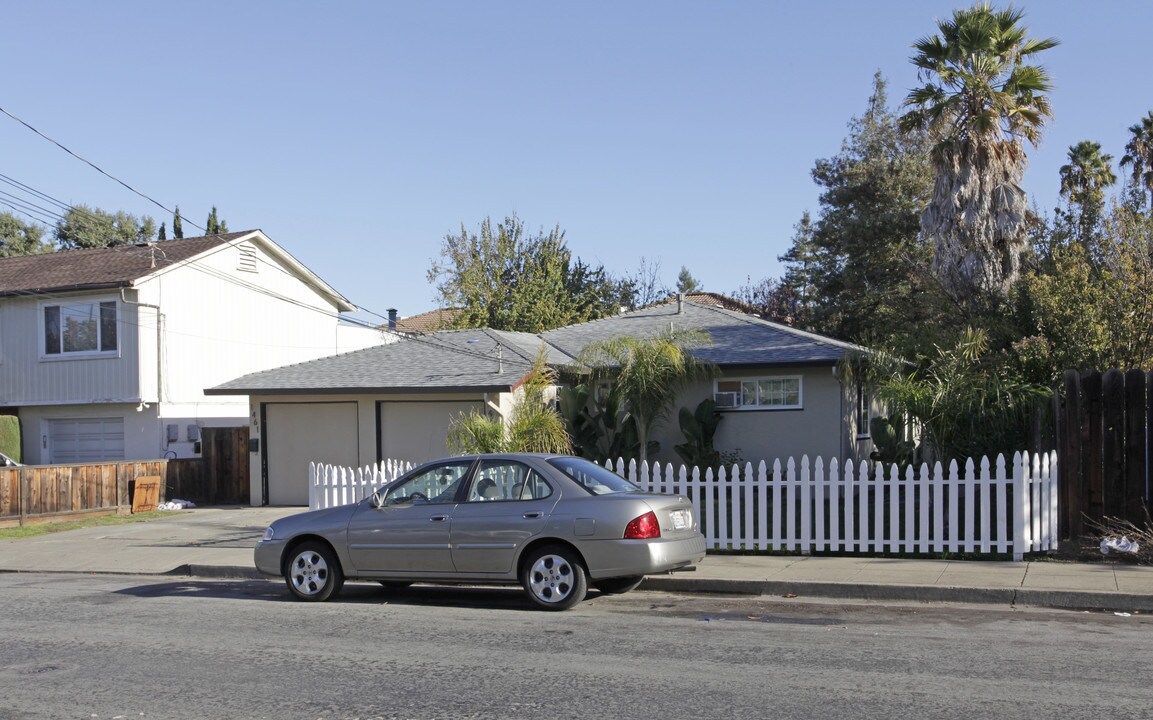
{"x": 128, "y": 265}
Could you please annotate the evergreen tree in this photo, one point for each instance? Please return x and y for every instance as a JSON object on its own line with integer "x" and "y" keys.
{"x": 686, "y": 283}
{"x": 857, "y": 271}
{"x": 177, "y": 224}
{"x": 162, "y": 235}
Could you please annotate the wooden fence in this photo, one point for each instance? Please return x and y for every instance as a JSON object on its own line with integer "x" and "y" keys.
{"x": 1102, "y": 422}
{"x": 41, "y": 493}
{"x": 982, "y": 508}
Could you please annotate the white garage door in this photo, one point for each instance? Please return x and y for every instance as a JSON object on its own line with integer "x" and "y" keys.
{"x": 416, "y": 431}
{"x": 85, "y": 440}
{"x": 296, "y": 434}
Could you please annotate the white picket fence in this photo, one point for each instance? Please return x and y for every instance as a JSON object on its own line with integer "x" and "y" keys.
{"x": 806, "y": 507}
{"x": 333, "y": 485}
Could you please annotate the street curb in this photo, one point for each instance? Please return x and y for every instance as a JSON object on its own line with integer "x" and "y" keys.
{"x": 1060, "y": 599}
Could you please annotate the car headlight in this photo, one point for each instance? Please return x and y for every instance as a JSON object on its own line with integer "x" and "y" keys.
{"x": 268, "y": 534}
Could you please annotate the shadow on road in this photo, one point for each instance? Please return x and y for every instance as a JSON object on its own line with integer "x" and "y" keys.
{"x": 503, "y": 598}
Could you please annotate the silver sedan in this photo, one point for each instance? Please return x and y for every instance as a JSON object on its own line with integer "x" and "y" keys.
{"x": 552, "y": 523}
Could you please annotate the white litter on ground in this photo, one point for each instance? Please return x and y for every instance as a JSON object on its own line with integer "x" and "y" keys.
{"x": 176, "y": 505}
{"x": 1119, "y": 546}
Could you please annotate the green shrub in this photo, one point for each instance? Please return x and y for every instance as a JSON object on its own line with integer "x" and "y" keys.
{"x": 10, "y": 436}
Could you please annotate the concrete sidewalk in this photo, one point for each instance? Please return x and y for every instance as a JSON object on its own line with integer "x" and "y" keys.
{"x": 218, "y": 543}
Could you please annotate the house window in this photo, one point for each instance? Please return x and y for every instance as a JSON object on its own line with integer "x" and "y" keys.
{"x": 80, "y": 328}
{"x": 766, "y": 393}
{"x": 864, "y": 410}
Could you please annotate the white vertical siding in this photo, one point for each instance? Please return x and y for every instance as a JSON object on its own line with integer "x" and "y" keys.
{"x": 27, "y": 378}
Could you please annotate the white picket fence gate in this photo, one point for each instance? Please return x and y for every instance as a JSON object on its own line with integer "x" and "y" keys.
{"x": 980, "y": 508}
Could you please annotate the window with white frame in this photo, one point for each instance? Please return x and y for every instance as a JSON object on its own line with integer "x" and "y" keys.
{"x": 761, "y": 393}
{"x": 80, "y": 327}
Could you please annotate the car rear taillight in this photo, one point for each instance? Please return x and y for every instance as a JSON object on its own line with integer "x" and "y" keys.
{"x": 644, "y": 527}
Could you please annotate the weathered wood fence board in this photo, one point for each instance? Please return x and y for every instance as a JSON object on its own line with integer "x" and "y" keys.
{"x": 1102, "y": 426}
{"x": 33, "y": 493}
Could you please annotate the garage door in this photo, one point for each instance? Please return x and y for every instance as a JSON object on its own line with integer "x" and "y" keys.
{"x": 416, "y": 431}
{"x": 296, "y": 434}
{"x": 85, "y": 440}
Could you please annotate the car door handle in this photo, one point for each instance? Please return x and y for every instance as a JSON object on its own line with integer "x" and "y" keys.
{"x": 438, "y": 518}
{"x": 532, "y": 515}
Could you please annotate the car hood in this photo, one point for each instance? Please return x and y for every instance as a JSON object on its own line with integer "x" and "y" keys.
{"x": 314, "y": 520}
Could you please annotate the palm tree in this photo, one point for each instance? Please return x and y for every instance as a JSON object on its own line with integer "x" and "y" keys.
{"x": 979, "y": 103}
{"x": 533, "y": 425}
{"x": 1083, "y": 182}
{"x": 1139, "y": 154}
{"x": 647, "y": 373}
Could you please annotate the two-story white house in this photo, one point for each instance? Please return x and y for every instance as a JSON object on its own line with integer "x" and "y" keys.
{"x": 105, "y": 353}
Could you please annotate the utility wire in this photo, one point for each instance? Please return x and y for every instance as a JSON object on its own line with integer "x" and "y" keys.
{"x": 97, "y": 168}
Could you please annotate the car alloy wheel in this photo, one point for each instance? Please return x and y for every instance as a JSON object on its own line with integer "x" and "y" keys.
{"x": 554, "y": 578}
{"x": 313, "y": 572}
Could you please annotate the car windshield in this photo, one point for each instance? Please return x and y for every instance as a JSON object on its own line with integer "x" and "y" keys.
{"x": 592, "y": 477}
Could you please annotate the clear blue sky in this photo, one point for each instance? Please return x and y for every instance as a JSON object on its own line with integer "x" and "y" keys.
{"x": 358, "y": 134}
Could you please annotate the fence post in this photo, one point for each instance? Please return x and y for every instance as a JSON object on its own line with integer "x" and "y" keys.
{"x": 312, "y": 486}
{"x": 1020, "y": 507}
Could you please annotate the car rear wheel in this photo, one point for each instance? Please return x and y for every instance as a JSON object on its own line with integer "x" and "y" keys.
{"x": 554, "y": 578}
{"x": 313, "y": 572}
{"x": 618, "y": 585}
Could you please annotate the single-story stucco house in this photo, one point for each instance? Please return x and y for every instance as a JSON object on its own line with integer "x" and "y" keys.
{"x": 778, "y": 388}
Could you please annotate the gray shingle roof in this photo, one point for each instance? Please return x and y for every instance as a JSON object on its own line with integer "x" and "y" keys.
{"x": 737, "y": 339}
{"x": 492, "y": 360}
{"x": 451, "y": 360}
{"x": 96, "y": 268}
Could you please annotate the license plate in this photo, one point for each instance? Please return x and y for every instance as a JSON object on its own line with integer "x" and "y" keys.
{"x": 682, "y": 519}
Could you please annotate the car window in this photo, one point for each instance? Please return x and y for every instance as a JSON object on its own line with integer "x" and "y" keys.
{"x": 437, "y": 484}
{"x": 592, "y": 477}
{"x": 507, "y": 480}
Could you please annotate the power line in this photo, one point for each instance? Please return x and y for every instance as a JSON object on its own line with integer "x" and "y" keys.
{"x": 97, "y": 168}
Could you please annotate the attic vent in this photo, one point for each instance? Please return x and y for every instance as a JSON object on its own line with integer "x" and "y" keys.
{"x": 247, "y": 261}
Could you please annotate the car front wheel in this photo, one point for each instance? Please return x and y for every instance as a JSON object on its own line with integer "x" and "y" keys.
{"x": 313, "y": 572}
{"x": 554, "y": 578}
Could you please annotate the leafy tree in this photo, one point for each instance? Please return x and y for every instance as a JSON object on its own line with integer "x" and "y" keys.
{"x": 506, "y": 279}
{"x": 214, "y": 225}
{"x": 85, "y": 227}
{"x": 534, "y": 424}
{"x": 1090, "y": 306}
{"x": 858, "y": 269}
{"x": 686, "y": 283}
{"x": 1139, "y": 159}
{"x": 20, "y": 238}
{"x": 1083, "y": 182}
{"x": 966, "y": 406}
{"x": 980, "y": 102}
{"x": 177, "y": 224}
{"x": 647, "y": 373}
